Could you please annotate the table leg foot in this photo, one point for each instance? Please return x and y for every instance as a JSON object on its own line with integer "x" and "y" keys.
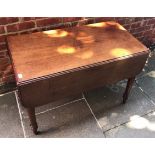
{"x": 128, "y": 88}
{"x": 32, "y": 117}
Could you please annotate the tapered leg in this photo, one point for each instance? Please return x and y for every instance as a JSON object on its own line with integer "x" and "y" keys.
{"x": 32, "y": 117}
{"x": 128, "y": 88}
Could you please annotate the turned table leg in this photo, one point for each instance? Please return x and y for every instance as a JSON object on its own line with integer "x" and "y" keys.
{"x": 128, "y": 88}
{"x": 32, "y": 117}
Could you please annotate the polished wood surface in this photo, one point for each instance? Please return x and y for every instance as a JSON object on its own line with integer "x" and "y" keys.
{"x": 55, "y": 51}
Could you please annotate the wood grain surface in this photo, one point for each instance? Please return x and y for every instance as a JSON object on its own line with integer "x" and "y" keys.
{"x": 55, "y": 51}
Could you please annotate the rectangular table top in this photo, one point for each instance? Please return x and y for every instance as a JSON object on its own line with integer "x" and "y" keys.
{"x": 45, "y": 53}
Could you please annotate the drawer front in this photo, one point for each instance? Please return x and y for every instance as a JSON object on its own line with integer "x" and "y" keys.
{"x": 54, "y": 88}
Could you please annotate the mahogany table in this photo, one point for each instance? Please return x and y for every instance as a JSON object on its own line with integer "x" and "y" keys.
{"x": 58, "y": 63}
